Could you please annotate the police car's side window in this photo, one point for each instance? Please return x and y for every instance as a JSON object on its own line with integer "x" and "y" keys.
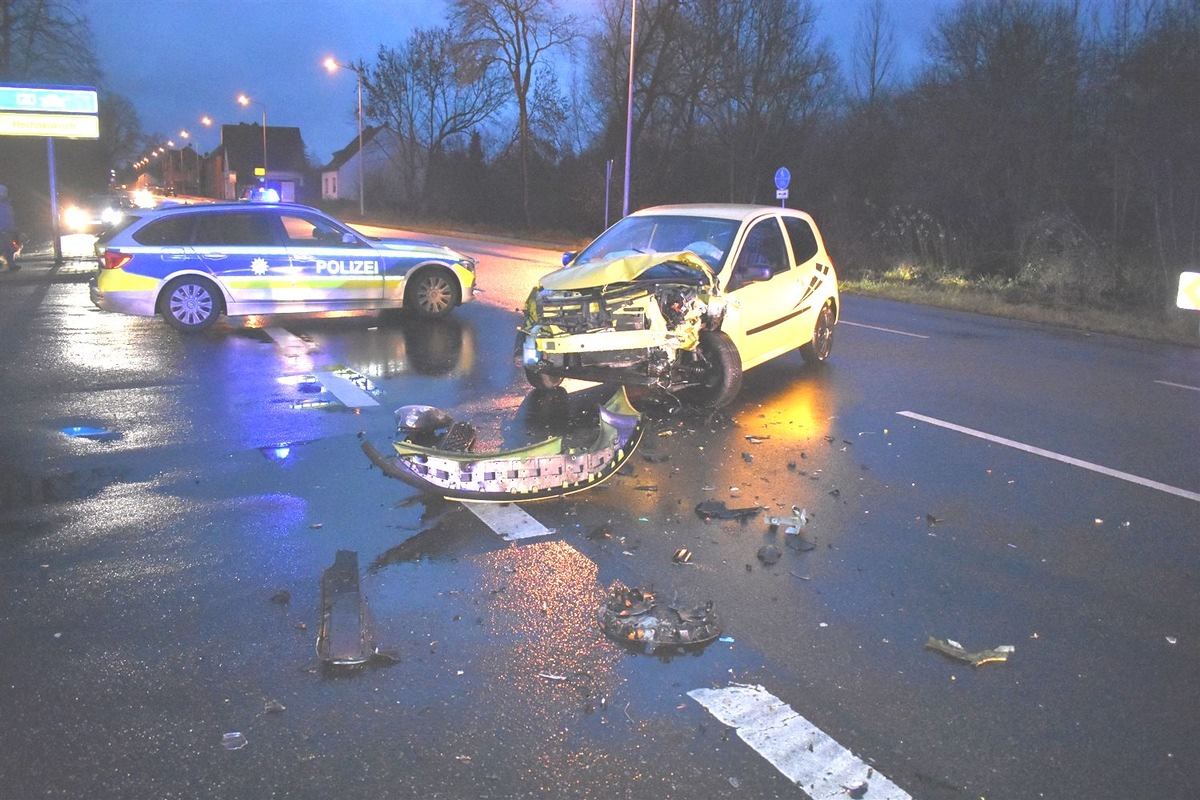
{"x": 175, "y": 230}
{"x": 235, "y": 229}
{"x": 310, "y": 231}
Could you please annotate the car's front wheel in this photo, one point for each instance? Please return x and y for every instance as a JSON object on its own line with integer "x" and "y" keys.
{"x": 721, "y": 372}
{"x": 821, "y": 345}
{"x": 432, "y": 293}
{"x": 540, "y": 380}
{"x": 190, "y": 304}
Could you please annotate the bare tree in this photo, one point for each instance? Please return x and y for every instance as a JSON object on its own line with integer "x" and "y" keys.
{"x": 517, "y": 35}
{"x": 430, "y": 93}
{"x": 45, "y": 41}
{"x": 874, "y": 50}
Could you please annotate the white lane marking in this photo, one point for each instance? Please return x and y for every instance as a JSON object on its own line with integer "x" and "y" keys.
{"x": 1075, "y": 462}
{"x": 1179, "y": 385}
{"x": 885, "y": 330}
{"x": 286, "y": 339}
{"x": 345, "y": 390}
{"x": 508, "y": 520}
{"x": 797, "y": 748}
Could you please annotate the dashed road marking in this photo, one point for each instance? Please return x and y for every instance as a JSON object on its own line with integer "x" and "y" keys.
{"x": 1075, "y": 462}
{"x": 508, "y": 520}
{"x": 345, "y": 390}
{"x": 885, "y": 330}
{"x": 286, "y": 339}
{"x": 1179, "y": 385}
{"x": 794, "y": 746}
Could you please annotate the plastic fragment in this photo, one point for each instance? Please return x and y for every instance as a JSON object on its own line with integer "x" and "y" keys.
{"x": 716, "y": 509}
{"x": 769, "y": 554}
{"x": 234, "y": 740}
{"x": 976, "y": 658}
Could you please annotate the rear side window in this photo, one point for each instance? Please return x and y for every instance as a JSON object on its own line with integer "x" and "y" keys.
{"x": 236, "y": 229}
{"x": 172, "y": 231}
{"x": 804, "y": 241}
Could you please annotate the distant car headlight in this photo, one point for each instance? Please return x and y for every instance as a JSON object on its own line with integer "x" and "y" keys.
{"x": 76, "y": 219}
{"x": 111, "y": 216}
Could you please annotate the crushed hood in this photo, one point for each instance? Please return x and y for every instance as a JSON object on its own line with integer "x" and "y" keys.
{"x": 624, "y": 270}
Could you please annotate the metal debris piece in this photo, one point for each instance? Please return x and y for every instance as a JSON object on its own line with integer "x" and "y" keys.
{"x": 682, "y": 556}
{"x": 632, "y": 616}
{"x": 791, "y": 525}
{"x": 716, "y": 509}
{"x": 956, "y": 651}
{"x": 346, "y": 635}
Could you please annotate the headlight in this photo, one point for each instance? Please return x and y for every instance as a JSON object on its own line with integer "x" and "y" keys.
{"x": 76, "y": 219}
{"x": 110, "y": 216}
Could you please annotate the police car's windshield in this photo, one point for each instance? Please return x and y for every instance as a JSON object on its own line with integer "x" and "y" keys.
{"x": 666, "y": 233}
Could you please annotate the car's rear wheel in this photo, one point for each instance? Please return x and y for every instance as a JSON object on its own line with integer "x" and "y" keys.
{"x": 432, "y": 293}
{"x": 190, "y": 304}
{"x": 821, "y": 345}
{"x": 721, "y": 372}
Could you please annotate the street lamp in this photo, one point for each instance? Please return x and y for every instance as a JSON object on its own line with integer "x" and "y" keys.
{"x": 629, "y": 111}
{"x": 332, "y": 65}
{"x": 244, "y": 100}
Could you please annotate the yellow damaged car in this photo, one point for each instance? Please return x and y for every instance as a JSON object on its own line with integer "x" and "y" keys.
{"x": 686, "y": 298}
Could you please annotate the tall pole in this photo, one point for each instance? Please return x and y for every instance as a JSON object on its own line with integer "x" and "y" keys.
{"x": 629, "y": 111}
{"x": 361, "y": 155}
{"x": 264, "y": 144}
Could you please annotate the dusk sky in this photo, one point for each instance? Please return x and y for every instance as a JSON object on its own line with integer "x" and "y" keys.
{"x": 177, "y": 60}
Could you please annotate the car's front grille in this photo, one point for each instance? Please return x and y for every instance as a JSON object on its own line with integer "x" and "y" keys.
{"x": 593, "y": 309}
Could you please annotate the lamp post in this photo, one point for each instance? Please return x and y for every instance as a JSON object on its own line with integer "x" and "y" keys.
{"x": 629, "y": 111}
{"x": 331, "y": 64}
{"x": 244, "y": 100}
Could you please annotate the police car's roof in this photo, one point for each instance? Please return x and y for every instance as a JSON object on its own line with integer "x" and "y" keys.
{"x": 236, "y": 205}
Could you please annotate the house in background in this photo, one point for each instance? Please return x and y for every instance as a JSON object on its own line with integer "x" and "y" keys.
{"x": 236, "y": 165}
{"x": 384, "y": 169}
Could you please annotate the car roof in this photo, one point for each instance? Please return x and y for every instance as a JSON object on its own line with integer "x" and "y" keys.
{"x": 734, "y": 211}
{"x": 243, "y": 205}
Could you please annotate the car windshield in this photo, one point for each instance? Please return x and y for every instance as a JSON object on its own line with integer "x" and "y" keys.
{"x": 707, "y": 237}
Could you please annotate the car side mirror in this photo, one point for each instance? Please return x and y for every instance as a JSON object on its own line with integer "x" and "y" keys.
{"x": 753, "y": 274}
{"x": 349, "y": 238}
{"x": 568, "y": 257}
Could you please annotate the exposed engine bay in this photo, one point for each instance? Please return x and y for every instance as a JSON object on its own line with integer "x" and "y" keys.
{"x": 641, "y": 328}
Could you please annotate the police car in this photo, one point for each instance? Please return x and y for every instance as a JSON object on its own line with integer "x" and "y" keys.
{"x": 192, "y": 263}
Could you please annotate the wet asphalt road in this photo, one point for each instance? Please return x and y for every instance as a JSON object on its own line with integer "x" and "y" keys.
{"x": 143, "y": 573}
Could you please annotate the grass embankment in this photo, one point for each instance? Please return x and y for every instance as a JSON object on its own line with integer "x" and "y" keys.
{"x": 1162, "y": 325}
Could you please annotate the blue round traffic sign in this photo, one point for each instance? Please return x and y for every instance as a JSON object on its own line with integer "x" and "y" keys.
{"x": 782, "y": 178}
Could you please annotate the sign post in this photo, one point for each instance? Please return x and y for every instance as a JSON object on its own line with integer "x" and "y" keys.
{"x": 69, "y": 112}
{"x": 782, "y": 178}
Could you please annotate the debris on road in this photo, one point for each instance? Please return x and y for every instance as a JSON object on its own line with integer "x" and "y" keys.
{"x": 544, "y": 469}
{"x": 716, "y": 509}
{"x": 791, "y": 525}
{"x": 682, "y": 556}
{"x": 633, "y": 616}
{"x": 956, "y": 651}
{"x": 234, "y": 740}
{"x": 769, "y": 554}
{"x": 346, "y": 636}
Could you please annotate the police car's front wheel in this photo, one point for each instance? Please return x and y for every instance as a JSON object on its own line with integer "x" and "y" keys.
{"x": 190, "y": 304}
{"x": 432, "y": 293}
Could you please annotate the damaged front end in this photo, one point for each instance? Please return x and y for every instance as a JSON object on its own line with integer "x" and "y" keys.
{"x": 634, "y": 320}
{"x": 545, "y": 469}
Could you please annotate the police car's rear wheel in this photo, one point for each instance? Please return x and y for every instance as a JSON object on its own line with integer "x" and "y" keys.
{"x": 432, "y": 293}
{"x": 190, "y": 304}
